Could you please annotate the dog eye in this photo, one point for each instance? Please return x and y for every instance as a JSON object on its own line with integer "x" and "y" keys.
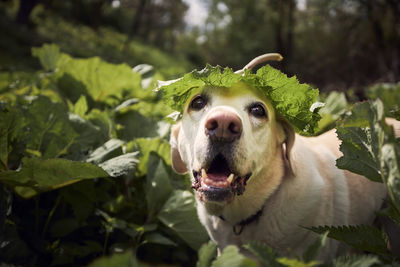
{"x": 257, "y": 110}
{"x": 198, "y": 102}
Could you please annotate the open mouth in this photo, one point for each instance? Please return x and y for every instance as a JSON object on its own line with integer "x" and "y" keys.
{"x": 218, "y": 182}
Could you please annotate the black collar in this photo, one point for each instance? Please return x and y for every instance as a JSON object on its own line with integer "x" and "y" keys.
{"x": 238, "y": 228}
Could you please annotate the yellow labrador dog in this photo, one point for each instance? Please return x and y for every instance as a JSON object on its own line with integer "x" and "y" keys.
{"x": 255, "y": 179}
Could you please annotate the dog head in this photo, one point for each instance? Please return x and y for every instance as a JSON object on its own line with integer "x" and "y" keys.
{"x": 231, "y": 142}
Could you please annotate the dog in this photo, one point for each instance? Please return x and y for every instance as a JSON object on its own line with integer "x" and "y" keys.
{"x": 256, "y": 179}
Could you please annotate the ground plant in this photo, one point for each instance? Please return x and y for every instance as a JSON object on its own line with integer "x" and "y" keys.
{"x": 86, "y": 177}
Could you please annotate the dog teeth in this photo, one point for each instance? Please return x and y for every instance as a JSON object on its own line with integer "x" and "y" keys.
{"x": 203, "y": 173}
{"x": 230, "y": 178}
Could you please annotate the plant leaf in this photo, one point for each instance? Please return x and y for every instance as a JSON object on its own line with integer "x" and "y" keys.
{"x": 96, "y": 79}
{"x": 362, "y": 134}
{"x": 231, "y": 257}
{"x": 158, "y": 186}
{"x": 264, "y": 254}
{"x": 118, "y": 259}
{"x": 48, "y": 55}
{"x": 110, "y": 149}
{"x": 121, "y": 165}
{"x": 37, "y": 175}
{"x": 356, "y": 261}
{"x": 388, "y": 93}
{"x": 297, "y": 263}
{"x": 362, "y": 237}
{"x": 180, "y": 215}
{"x": 206, "y": 254}
{"x": 313, "y": 250}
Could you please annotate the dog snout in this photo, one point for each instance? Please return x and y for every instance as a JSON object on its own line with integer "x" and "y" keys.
{"x": 223, "y": 126}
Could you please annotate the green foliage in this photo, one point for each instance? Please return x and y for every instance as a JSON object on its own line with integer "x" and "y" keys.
{"x": 88, "y": 187}
{"x": 292, "y": 100}
{"x": 388, "y": 93}
{"x": 230, "y": 257}
{"x": 122, "y": 259}
{"x": 207, "y": 254}
{"x": 362, "y": 237}
{"x": 296, "y": 263}
{"x": 312, "y": 252}
{"x": 179, "y": 215}
{"x": 37, "y": 175}
{"x": 335, "y": 105}
{"x": 370, "y": 147}
{"x": 265, "y": 254}
{"x": 356, "y": 261}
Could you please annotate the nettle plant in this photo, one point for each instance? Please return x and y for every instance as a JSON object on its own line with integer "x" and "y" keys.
{"x": 85, "y": 170}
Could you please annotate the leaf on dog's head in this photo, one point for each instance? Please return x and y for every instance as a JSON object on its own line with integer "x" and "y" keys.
{"x": 291, "y": 99}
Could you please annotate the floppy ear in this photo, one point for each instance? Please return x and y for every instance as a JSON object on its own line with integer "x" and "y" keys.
{"x": 287, "y": 144}
{"x": 177, "y": 163}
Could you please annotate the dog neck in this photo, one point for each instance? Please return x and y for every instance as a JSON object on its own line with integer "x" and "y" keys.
{"x": 238, "y": 228}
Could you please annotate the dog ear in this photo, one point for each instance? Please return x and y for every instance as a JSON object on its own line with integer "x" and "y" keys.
{"x": 177, "y": 163}
{"x": 287, "y": 144}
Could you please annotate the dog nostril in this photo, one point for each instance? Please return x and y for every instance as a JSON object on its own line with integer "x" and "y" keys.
{"x": 211, "y": 125}
{"x": 234, "y": 128}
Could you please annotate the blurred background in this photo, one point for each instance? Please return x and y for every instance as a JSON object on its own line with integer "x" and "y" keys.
{"x": 333, "y": 45}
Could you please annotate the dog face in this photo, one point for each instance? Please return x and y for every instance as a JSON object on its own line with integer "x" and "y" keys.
{"x": 226, "y": 139}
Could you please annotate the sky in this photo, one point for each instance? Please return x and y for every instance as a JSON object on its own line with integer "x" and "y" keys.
{"x": 197, "y": 13}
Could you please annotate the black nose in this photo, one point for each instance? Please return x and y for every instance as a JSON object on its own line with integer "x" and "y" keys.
{"x": 223, "y": 126}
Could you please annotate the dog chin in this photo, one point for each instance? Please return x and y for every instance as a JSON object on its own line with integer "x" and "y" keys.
{"x": 215, "y": 194}
{"x": 220, "y": 189}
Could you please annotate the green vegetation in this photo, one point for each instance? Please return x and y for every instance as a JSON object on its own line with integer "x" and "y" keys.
{"x": 86, "y": 177}
{"x": 85, "y": 167}
{"x": 80, "y": 41}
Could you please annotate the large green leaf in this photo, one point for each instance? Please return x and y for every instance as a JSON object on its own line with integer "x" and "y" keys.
{"x": 357, "y": 261}
{"x": 38, "y": 175}
{"x": 123, "y": 165}
{"x": 335, "y": 105}
{"x": 362, "y": 237}
{"x": 358, "y": 155}
{"x": 96, "y": 79}
{"x": 48, "y": 55}
{"x": 51, "y": 131}
{"x": 90, "y": 136}
{"x": 264, "y": 254}
{"x": 231, "y": 257}
{"x": 110, "y": 149}
{"x": 180, "y": 215}
{"x": 148, "y": 145}
{"x": 388, "y": 93}
{"x": 158, "y": 186}
{"x": 296, "y": 263}
{"x": 206, "y": 254}
{"x": 390, "y": 162}
{"x": 292, "y": 100}
{"x": 12, "y": 132}
{"x": 125, "y": 259}
{"x": 362, "y": 135}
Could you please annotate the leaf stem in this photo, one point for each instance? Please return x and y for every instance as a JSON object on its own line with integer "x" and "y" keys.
{"x": 106, "y": 241}
{"x": 51, "y": 215}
